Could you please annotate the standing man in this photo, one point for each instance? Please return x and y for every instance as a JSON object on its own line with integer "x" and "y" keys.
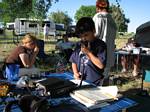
{"x": 105, "y": 30}
{"x": 46, "y": 32}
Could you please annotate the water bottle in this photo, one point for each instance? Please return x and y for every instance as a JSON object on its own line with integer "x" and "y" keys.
{"x": 16, "y": 72}
{"x": 22, "y": 82}
{"x": 111, "y": 80}
{"x": 60, "y": 67}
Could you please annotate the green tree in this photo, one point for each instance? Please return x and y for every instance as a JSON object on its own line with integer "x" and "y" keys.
{"x": 2, "y": 15}
{"x": 15, "y": 8}
{"x": 11, "y": 9}
{"x": 84, "y": 11}
{"x": 117, "y": 14}
{"x": 61, "y": 17}
{"x": 119, "y": 17}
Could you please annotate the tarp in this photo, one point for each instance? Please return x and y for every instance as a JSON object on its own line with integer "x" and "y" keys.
{"x": 143, "y": 34}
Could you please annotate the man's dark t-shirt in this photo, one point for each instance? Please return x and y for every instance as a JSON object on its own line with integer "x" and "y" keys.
{"x": 85, "y": 66}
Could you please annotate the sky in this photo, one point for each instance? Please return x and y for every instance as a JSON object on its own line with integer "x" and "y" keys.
{"x": 136, "y": 10}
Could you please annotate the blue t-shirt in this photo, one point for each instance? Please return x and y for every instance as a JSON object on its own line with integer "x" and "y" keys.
{"x": 91, "y": 72}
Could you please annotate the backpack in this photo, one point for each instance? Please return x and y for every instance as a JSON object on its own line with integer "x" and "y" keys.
{"x": 29, "y": 103}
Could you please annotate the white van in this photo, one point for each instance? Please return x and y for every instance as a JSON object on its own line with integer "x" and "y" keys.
{"x": 24, "y": 25}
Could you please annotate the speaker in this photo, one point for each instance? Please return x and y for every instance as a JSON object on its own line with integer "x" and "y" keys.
{"x": 55, "y": 87}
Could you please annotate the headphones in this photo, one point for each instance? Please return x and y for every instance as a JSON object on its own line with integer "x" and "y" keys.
{"x": 29, "y": 103}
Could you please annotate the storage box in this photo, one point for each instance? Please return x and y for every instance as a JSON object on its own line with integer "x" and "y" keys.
{"x": 147, "y": 76}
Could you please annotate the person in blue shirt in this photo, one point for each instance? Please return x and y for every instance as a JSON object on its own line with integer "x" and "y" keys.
{"x": 89, "y": 58}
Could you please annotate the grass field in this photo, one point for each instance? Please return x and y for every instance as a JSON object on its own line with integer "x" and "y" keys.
{"x": 128, "y": 85}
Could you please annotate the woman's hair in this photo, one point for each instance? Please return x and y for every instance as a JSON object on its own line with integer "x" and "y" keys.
{"x": 84, "y": 24}
{"x": 29, "y": 38}
{"x": 102, "y": 4}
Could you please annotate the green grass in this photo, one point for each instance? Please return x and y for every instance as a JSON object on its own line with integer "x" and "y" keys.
{"x": 128, "y": 85}
{"x": 6, "y": 45}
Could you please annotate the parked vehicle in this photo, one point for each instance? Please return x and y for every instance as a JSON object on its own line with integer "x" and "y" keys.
{"x": 10, "y": 26}
{"x": 60, "y": 27}
{"x": 24, "y": 25}
{"x": 1, "y": 27}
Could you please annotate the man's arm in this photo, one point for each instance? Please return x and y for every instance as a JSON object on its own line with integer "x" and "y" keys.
{"x": 29, "y": 61}
{"x": 95, "y": 60}
{"x": 75, "y": 71}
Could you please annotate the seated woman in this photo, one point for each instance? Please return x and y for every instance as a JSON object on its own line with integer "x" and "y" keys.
{"x": 24, "y": 55}
{"x": 130, "y": 45}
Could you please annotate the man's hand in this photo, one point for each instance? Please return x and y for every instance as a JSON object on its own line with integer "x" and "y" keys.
{"x": 85, "y": 50}
{"x": 36, "y": 49}
{"x": 77, "y": 76}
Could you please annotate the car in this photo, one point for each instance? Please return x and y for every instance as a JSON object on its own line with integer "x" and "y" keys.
{"x": 1, "y": 28}
{"x": 1, "y": 31}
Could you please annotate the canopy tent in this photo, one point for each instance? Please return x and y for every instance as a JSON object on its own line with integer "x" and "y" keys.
{"x": 143, "y": 34}
{"x": 143, "y": 38}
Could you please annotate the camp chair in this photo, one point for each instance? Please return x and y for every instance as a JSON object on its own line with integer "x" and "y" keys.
{"x": 146, "y": 82}
{"x": 145, "y": 67}
{"x": 41, "y": 54}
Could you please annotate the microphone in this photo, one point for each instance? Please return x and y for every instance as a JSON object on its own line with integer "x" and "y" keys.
{"x": 81, "y": 54}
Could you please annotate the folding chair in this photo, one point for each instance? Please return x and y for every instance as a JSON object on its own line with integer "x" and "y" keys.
{"x": 146, "y": 82}
{"x": 145, "y": 67}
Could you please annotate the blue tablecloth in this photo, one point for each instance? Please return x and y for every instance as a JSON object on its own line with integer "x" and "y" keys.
{"x": 65, "y": 75}
{"x": 113, "y": 107}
